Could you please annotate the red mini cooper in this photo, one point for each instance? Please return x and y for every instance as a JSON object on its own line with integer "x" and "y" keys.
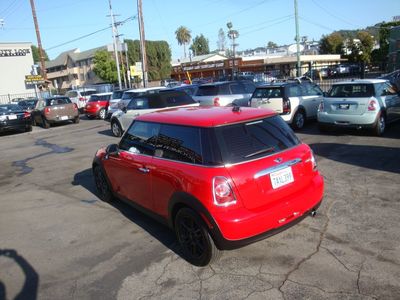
{"x": 220, "y": 177}
{"x": 97, "y": 105}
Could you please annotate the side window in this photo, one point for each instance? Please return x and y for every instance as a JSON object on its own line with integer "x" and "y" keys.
{"x": 311, "y": 90}
{"x": 138, "y": 103}
{"x": 237, "y": 89}
{"x": 388, "y": 89}
{"x": 72, "y": 94}
{"x": 156, "y": 102}
{"x": 140, "y": 138}
{"x": 294, "y": 91}
{"x": 179, "y": 143}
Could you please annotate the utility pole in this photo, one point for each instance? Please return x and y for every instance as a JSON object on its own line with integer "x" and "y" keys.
{"x": 115, "y": 44}
{"x": 41, "y": 53}
{"x": 142, "y": 42}
{"x": 296, "y": 16}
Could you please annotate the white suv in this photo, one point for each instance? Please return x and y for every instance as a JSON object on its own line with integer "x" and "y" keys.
{"x": 295, "y": 101}
{"x": 80, "y": 96}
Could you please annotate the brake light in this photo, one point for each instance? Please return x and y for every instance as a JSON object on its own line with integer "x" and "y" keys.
{"x": 372, "y": 105}
{"x": 216, "y": 101}
{"x": 222, "y": 192}
{"x": 321, "y": 106}
{"x": 313, "y": 161}
{"x": 27, "y": 115}
{"x": 46, "y": 110}
{"x": 75, "y": 106}
{"x": 82, "y": 99}
{"x": 286, "y": 106}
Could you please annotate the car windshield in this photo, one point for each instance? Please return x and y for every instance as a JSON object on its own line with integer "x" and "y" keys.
{"x": 255, "y": 139}
{"x": 6, "y": 108}
{"x": 269, "y": 92}
{"x": 351, "y": 90}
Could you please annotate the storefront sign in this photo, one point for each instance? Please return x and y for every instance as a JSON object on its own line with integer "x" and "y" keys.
{"x": 14, "y": 52}
{"x": 34, "y": 79}
{"x": 201, "y": 67}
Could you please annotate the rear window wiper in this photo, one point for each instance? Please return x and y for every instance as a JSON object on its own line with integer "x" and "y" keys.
{"x": 270, "y": 149}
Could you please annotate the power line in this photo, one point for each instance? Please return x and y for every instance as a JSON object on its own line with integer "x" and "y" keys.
{"x": 8, "y": 7}
{"x": 92, "y": 33}
{"x": 270, "y": 25}
{"x": 316, "y": 24}
{"x": 333, "y": 15}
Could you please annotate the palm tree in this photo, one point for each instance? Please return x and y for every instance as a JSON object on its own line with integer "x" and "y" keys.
{"x": 183, "y": 36}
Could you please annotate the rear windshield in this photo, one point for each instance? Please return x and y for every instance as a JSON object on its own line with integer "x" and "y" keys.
{"x": 269, "y": 92}
{"x": 95, "y": 98}
{"x": 246, "y": 141}
{"x": 57, "y": 101}
{"x": 88, "y": 93}
{"x": 5, "y": 108}
{"x": 351, "y": 90}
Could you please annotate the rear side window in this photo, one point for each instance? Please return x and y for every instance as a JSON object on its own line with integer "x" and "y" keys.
{"x": 177, "y": 99}
{"x": 311, "y": 90}
{"x": 241, "y": 88}
{"x": 270, "y": 92}
{"x": 117, "y": 94}
{"x": 352, "y": 90}
{"x": 246, "y": 141}
{"x": 140, "y": 138}
{"x": 294, "y": 91}
{"x": 179, "y": 143}
{"x": 72, "y": 94}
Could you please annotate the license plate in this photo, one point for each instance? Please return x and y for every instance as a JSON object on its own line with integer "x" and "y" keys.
{"x": 64, "y": 118}
{"x": 281, "y": 177}
{"x": 12, "y": 117}
{"x": 344, "y": 106}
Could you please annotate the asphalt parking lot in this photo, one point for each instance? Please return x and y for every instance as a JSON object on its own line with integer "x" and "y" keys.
{"x": 59, "y": 241}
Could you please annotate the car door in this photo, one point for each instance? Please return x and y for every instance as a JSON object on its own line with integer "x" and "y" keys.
{"x": 135, "y": 108}
{"x": 391, "y": 98}
{"x": 130, "y": 172}
{"x": 312, "y": 96}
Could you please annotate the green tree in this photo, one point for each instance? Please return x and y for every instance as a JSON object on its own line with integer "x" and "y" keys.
{"x": 379, "y": 56}
{"x": 200, "y": 45}
{"x": 183, "y": 36}
{"x": 158, "y": 57}
{"x": 361, "y": 48}
{"x": 331, "y": 44}
{"x": 272, "y": 45}
{"x": 36, "y": 56}
{"x": 105, "y": 67}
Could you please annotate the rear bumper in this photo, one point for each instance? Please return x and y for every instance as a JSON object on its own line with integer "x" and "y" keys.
{"x": 366, "y": 120}
{"x": 92, "y": 111}
{"x": 15, "y": 127}
{"x": 242, "y": 227}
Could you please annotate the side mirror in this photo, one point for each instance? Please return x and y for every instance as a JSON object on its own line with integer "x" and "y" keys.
{"x": 124, "y": 109}
{"x": 112, "y": 150}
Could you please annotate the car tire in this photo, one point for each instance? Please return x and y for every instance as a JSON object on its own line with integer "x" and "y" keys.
{"x": 76, "y": 120}
{"x": 116, "y": 128}
{"x": 102, "y": 186}
{"x": 380, "y": 125}
{"x": 299, "y": 119}
{"x": 45, "y": 123}
{"x": 90, "y": 117}
{"x": 197, "y": 246}
{"x": 102, "y": 114}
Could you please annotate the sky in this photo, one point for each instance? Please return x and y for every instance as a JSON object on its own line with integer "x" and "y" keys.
{"x": 258, "y": 21}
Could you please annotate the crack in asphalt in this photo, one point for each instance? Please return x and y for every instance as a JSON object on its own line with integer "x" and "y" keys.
{"x": 337, "y": 259}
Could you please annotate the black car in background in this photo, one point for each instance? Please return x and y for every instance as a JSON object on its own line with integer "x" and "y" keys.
{"x": 14, "y": 118}
{"x": 28, "y": 104}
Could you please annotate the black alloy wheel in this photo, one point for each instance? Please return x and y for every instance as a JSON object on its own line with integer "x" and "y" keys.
{"x": 102, "y": 185}
{"x": 197, "y": 246}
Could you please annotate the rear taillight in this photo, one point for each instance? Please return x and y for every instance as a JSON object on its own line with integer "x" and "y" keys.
{"x": 46, "y": 110}
{"x": 321, "y": 106}
{"x": 75, "y": 106}
{"x": 286, "y": 106}
{"x": 27, "y": 115}
{"x": 372, "y": 105}
{"x": 216, "y": 101}
{"x": 222, "y": 192}
{"x": 82, "y": 99}
{"x": 313, "y": 161}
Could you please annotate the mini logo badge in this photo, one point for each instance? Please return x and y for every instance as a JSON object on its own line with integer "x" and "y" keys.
{"x": 278, "y": 160}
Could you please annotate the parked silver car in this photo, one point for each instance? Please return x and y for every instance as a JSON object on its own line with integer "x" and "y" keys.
{"x": 225, "y": 93}
{"x": 364, "y": 103}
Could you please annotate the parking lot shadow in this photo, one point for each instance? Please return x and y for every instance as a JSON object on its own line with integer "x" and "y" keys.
{"x": 106, "y": 132}
{"x": 365, "y": 156}
{"x": 159, "y": 231}
{"x": 30, "y": 287}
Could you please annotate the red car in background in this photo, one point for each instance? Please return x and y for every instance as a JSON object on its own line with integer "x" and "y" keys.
{"x": 97, "y": 105}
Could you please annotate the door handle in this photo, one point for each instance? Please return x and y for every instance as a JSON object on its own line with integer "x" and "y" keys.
{"x": 144, "y": 170}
